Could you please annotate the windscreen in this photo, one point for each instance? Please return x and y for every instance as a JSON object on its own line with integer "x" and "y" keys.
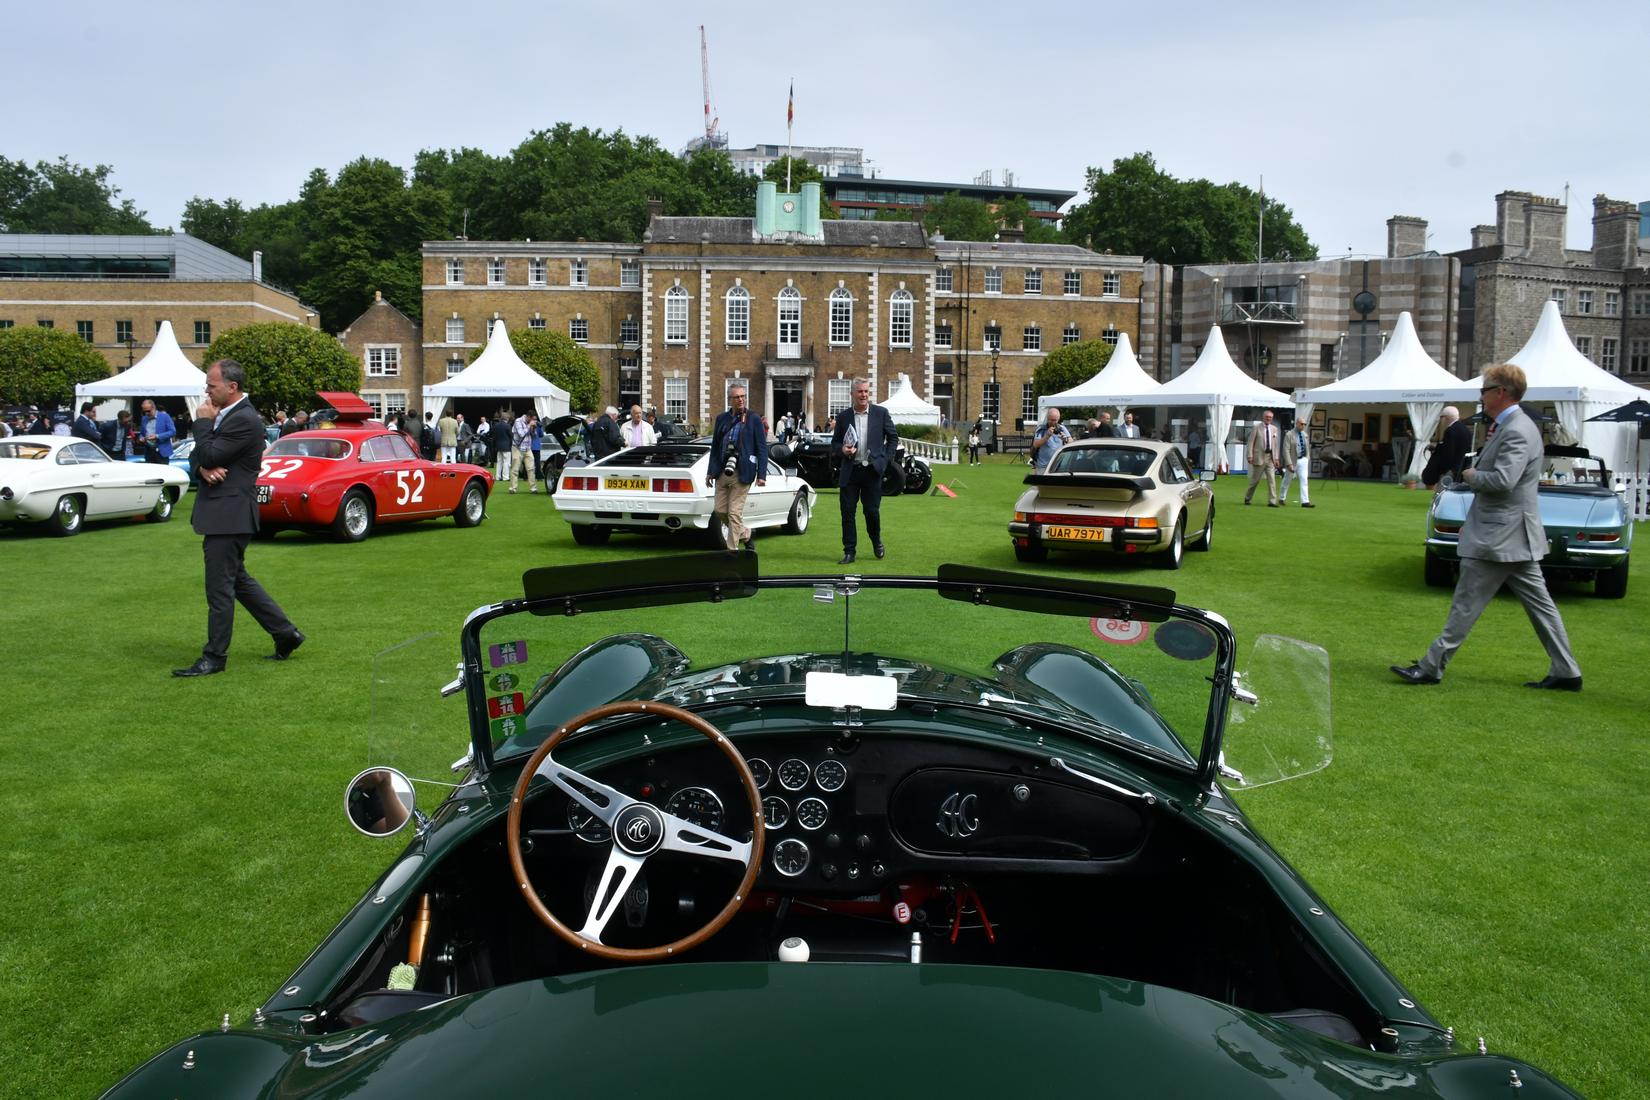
{"x": 1145, "y": 685}
{"x": 308, "y": 447}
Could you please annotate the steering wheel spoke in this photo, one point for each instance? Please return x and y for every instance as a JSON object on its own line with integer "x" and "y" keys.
{"x": 690, "y": 839}
{"x": 617, "y": 877}
{"x": 602, "y": 801}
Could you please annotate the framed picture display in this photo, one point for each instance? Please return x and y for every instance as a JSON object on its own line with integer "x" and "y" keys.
{"x": 1318, "y": 436}
{"x": 1318, "y": 418}
{"x": 1357, "y": 431}
{"x": 1337, "y": 431}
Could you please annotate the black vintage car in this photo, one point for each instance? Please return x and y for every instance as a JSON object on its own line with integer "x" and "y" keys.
{"x": 810, "y": 455}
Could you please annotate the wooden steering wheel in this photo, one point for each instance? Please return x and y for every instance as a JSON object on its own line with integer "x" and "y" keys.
{"x": 639, "y": 829}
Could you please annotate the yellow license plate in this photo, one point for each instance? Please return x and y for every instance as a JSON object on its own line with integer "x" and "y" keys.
{"x": 614, "y": 483}
{"x": 1076, "y": 534}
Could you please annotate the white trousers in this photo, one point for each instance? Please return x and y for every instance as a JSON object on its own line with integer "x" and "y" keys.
{"x": 449, "y": 454}
{"x": 1303, "y": 471}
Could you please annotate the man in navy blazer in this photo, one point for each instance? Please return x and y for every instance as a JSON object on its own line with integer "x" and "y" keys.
{"x": 1502, "y": 541}
{"x": 738, "y": 457}
{"x": 865, "y": 441}
{"x": 229, "y": 447}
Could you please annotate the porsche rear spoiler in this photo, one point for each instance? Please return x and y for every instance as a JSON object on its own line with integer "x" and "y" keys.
{"x": 1094, "y": 481}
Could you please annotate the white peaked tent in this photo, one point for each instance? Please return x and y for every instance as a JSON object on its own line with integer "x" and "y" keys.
{"x": 1557, "y": 372}
{"x": 905, "y": 406}
{"x": 1120, "y": 383}
{"x": 499, "y": 374}
{"x": 164, "y": 372}
{"x": 1220, "y": 385}
{"x": 1403, "y": 374}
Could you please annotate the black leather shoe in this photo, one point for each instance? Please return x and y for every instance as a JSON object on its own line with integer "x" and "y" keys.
{"x": 881, "y": 550}
{"x": 1306, "y": 505}
{"x": 202, "y": 667}
{"x": 284, "y": 647}
{"x": 1557, "y": 683}
{"x": 1271, "y": 505}
{"x": 1412, "y": 674}
{"x": 847, "y": 558}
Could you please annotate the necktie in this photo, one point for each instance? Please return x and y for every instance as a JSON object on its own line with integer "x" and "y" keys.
{"x": 1490, "y": 433}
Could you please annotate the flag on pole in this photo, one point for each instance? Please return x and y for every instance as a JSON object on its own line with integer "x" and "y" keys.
{"x": 790, "y": 114}
{"x": 790, "y": 106}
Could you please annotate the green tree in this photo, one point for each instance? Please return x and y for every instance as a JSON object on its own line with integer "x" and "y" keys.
{"x": 556, "y": 357}
{"x": 220, "y": 224}
{"x": 1016, "y": 213}
{"x": 1066, "y": 367}
{"x": 1137, "y": 208}
{"x": 365, "y": 233}
{"x": 287, "y": 364}
{"x": 960, "y": 219}
{"x": 43, "y": 366}
{"x": 801, "y": 172}
{"x": 59, "y": 197}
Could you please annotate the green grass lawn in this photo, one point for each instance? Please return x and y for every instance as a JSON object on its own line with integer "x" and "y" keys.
{"x": 173, "y": 848}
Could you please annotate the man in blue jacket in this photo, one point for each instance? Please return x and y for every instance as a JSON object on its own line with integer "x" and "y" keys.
{"x": 738, "y": 457}
{"x": 157, "y": 431}
{"x": 866, "y": 441}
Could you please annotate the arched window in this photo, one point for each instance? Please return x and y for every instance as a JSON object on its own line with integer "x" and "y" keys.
{"x": 899, "y": 319}
{"x": 676, "y": 315}
{"x": 790, "y": 323}
{"x": 842, "y": 317}
{"x": 739, "y": 316}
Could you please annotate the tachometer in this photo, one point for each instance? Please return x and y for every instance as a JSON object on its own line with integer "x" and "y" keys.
{"x": 812, "y": 813}
{"x": 586, "y": 825}
{"x": 793, "y": 774}
{"x": 760, "y": 771}
{"x": 790, "y": 857}
{"x": 775, "y": 813}
{"x": 697, "y": 806}
{"x": 831, "y": 775}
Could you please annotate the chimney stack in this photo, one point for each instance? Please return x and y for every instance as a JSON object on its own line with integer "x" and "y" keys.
{"x": 1509, "y": 219}
{"x": 1483, "y": 236}
{"x": 655, "y": 209}
{"x": 1405, "y": 236}
{"x": 1615, "y": 234}
{"x": 1544, "y": 235}
{"x": 257, "y": 267}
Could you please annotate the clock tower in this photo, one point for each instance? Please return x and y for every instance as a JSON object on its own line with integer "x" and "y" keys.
{"x": 788, "y": 216}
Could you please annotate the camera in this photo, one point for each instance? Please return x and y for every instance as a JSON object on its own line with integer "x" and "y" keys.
{"x": 731, "y": 466}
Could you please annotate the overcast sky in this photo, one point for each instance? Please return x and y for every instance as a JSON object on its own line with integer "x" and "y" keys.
{"x": 1352, "y": 113}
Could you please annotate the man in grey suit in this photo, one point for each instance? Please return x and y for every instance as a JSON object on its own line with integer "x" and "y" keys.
{"x": 229, "y": 447}
{"x": 1502, "y": 540}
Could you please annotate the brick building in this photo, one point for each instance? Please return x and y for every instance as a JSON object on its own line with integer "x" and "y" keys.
{"x": 793, "y": 306}
{"x": 114, "y": 291}
{"x": 1517, "y": 265}
{"x": 389, "y": 345}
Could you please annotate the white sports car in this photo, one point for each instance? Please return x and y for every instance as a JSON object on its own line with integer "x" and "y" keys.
{"x": 62, "y": 482}
{"x": 663, "y": 489}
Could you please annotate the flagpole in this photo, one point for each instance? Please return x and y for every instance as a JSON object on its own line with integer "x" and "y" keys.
{"x": 790, "y": 113}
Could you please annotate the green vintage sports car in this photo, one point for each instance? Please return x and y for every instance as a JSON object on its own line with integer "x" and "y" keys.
{"x": 1589, "y": 531}
{"x": 960, "y": 835}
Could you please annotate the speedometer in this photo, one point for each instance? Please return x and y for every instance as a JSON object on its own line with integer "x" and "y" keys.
{"x": 793, "y": 774}
{"x": 812, "y": 813}
{"x": 831, "y": 775}
{"x": 586, "y": 825}
{"x": 697, "y": 806}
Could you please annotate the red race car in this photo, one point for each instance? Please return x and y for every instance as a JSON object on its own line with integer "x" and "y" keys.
{"x": 356, "y": 474}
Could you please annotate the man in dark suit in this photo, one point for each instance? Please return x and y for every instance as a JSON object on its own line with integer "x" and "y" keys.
{"x": 85, "y": 427}
{"x": 1451, "y": 451}
{"x": 229, "y": 445}
{"x": 1502, "y": 541}
{"x": 865, "y": 441}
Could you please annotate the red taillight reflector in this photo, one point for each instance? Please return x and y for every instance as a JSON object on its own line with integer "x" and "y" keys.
{"x": 1078, "y": 520}
{"x": 585, "y": 484}
{"x": 672, "y": 485}
{"x": 1597, "y": 536}
{"x": 1449, "y": 528}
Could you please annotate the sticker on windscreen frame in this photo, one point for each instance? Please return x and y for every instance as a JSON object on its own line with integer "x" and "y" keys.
{"x": 502, "y": 706}
{"x": 1120, "y": 631}
{"x": 504, "y": 681}
{"x": 507, "y": 727}
{"x": 507, "y": 653}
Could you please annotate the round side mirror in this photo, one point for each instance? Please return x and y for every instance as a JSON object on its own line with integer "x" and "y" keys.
{"x": 379, "y": 801}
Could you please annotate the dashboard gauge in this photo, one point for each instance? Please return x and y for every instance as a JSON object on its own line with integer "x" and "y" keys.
{"x": 793, "y": 774}
{"x": 760, "y": 771}
{"x": 697, "y": 806}
{"x": 812, "y": 813}
{"x": 775, "y": 813}
{"x": 790, "y": 857}
{"x": 831, "y": 775}
{"x": 586, "y": 825}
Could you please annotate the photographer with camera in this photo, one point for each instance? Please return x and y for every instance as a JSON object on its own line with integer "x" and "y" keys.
{"x": 738, "y": 456}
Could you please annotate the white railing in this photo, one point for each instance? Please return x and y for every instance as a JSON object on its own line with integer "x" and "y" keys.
{"x": 935, "y": 454}
{"x": 1635, "y": 490}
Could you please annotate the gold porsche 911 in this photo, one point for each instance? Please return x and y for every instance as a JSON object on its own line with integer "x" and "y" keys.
{"x": 1115, "y": 496}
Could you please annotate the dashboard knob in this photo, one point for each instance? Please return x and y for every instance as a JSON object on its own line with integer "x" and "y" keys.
{"x": 833, "y": 840}
{"x": 1021, "y": 792}
{"x": 853, "y": 871}
{"x": 862, "y": 841}
{"x": 827, "y": 871}
{"x": 878, "y": 870}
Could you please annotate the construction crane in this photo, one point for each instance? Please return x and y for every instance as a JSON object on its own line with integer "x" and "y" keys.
{"x": 711, "y": 122}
